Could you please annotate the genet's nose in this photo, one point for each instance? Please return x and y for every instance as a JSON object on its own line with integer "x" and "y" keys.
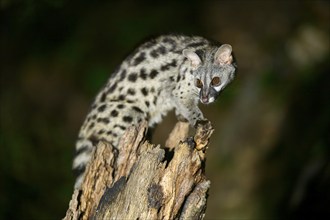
{"x": 205, "y": 99}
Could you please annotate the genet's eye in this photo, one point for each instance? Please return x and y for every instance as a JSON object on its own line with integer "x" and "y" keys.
{"x": 215, "y": 81}
{"x": 199, "y": 83}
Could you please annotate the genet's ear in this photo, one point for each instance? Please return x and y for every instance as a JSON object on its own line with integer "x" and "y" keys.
{"x": 223, "y": 55}
{"x": 193, "y": 57}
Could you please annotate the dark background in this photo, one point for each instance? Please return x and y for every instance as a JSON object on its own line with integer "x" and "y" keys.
{"x": 269, "y": 155}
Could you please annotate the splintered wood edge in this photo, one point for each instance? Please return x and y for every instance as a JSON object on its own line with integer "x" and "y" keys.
{"x": 98, "y": 176}
{"x": 73, "y": 210}
{"x": 162, "y": 189}
{"x": 100, "y": 171}
{"x": 179, "y": 133}
{"x": 181, "y": 175}
{"x": 130, "y": 146}
{"x": 156, "y": 190}
{"x": 195, "y": 205}
{"x": 134, "y": 196}
{"x": 172, "y": 188}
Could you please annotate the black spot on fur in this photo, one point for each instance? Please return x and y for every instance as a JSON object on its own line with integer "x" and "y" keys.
{"x": 101, "y": 131}
{"x": 143, "y": 74}
{"x": 103, "y": 120}
{"x": 172, "y": 79}
{"x": 93, "y": 139}
{"x": 164, "y": 67}
{"x": 149, "y": 44}
{"x": 114, "y": 113}
{"x": 135, "y": 108}
{"x": 153, "y": 73}
{"x": 154, "y": 54}
{"x": 121, "y": 127}
{"x": 139, "y": 59}
{"x": 132, "y": 77}
{"x": 91, "y": 125}
{"x": 159, "y": 51}
{"x": 178, "y": 78}
{"x": 196, "y": 44}
{"x": 112, "y": 88}
{"x": 152, "y": 90}
{"x": 147, "y": 103}
{"x": 127, "y": 119}
{"x": 173, "y": 63}
{"x": 79, "y": 170}
{"x": 101, "y": 108}
{"x": 168, "y": 65}
{"x": 82, "y": 149}
{"x": 169, "y": 41}
{"x": 144, "y": 91}
{"x": 120, "y": 106}
{"x": 103, "y": 97}
{"x": 155, "y": 100}
{"x": 121, "y": 97}
{"x": 162, "y": 50}
{"x": 122, "y": 75}
{"x": 109, "y": 132}
{"x": 131, "y": 91}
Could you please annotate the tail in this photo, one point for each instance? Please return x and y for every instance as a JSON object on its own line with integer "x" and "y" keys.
{"x": 83, "y": 155}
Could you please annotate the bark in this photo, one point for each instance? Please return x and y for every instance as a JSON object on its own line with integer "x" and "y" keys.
{"x": 144, "y": 181}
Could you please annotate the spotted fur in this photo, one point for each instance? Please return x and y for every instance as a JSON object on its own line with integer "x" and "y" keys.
{"x": 157, "y": 77}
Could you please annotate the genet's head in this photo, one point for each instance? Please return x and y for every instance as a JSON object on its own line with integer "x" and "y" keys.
{"x": 213, "y": 69}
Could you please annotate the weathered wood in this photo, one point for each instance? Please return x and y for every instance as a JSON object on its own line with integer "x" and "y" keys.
{"x": 179, "y": 133}
{"x": 143, "y": 181}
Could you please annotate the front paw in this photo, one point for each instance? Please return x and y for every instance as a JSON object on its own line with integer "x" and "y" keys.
{"x": 202, "y": 123}
{"x": 204, "y": 130}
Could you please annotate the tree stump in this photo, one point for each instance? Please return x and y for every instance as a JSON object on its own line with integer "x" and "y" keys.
{"x": 144, "y": 181}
